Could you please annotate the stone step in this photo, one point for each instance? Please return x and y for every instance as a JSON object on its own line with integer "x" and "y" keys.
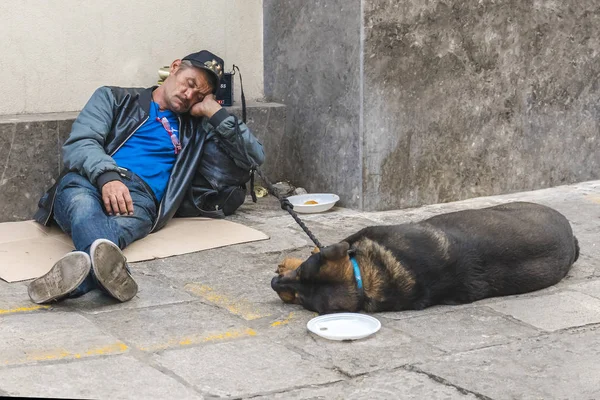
{"x": 30, "y": 152}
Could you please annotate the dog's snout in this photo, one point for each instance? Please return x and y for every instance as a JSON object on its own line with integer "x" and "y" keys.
{"x": 275, "y": 283}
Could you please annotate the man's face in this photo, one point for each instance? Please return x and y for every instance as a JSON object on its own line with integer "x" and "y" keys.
{"x": 184, "y": 87}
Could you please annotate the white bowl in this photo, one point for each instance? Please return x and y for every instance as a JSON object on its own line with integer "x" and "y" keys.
{"x": 324, "y": 202}
{"x": 344, "y": 326}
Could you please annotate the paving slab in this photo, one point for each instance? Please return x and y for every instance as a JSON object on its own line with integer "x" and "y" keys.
{"x": 120, "y": 377}
{"x": 330, "y": 229}
{"x": 396, "y": 384}
{"x": 428, "y": 211}
{"x": 14, "y": 298}
{"x": 591, "y": 288}
{"x": 552, "y": 312}
{"x": 246, "y": 299}
{"x": 207, "y": 324}
{"x": 230, "y": 280}
{"x": 282, "y": 230}
{"x": 464, "y": 329}
{"x": 223, "y": 263}
{"x": 152, "y": 292}
{"x": 53, "y": 335}
{"x": 389, "y": 348}
{"x": 172, "y": 326}
{"x": 557, "y": 366}
{"x": 245, "y": 368}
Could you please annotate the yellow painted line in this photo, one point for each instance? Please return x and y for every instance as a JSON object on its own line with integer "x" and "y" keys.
{"x": 22, "y": 309}
{"x": 237, "y": 307}
{"x": 594, "y": 198}
{"x": 62, "y": 354}
{"x": 284, "y": 321}
{"x": 120, "y": 347}
{"x": 186, "y": 341}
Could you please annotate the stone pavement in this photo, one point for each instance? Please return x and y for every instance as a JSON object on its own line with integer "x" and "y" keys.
{"x": 208, "y": 325}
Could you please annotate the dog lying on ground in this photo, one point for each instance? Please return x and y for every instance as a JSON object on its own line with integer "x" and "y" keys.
{"x": 453, "y": 258}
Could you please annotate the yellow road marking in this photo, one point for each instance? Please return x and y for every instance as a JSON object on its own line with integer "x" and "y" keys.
{"x": 61, "y": 354}
{"x": 284, "y": 321}
{"x": 594, "y": 198}
{"x": 201, "y": 339}
{"x": 22, "y": 309}
{"x": 120, "y": 347}
{"x": 237, "y": 307}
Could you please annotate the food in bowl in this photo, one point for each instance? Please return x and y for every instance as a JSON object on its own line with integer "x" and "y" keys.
{"x": 311, "y": 203}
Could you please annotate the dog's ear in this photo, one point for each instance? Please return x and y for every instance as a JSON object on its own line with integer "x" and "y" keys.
{"x": 335, "y": 251}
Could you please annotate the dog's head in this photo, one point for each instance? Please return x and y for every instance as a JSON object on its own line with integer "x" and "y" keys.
{"x": 323, "y": 283}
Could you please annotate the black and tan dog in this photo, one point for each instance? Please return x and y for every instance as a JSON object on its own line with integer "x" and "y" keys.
{"x": 452, "y": 258}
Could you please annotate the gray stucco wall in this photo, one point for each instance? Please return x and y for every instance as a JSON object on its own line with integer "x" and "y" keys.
{"x": 459, "y": 98}
{"x": 471, "y": 98}
{"x": 312, "y": 52}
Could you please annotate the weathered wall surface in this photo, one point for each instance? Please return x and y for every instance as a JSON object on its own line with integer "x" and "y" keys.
{"x": 471, "y": 98}
{"x": 312, "y": 65}
{"x": 395, "y": 104}
{"x": 55, "y": 53}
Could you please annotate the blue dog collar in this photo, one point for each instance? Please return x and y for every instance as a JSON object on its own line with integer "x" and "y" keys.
{"x": 357, "y": 276}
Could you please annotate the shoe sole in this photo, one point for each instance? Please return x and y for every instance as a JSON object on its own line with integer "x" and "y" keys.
{"x": 110, "y": 267}
{"x": 64, "y": 277}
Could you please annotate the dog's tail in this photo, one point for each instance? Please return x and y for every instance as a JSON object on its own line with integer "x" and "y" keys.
{"x": 576, "y": 242}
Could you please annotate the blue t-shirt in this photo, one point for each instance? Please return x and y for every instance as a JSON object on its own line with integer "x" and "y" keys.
{"x": 149, "y": 153}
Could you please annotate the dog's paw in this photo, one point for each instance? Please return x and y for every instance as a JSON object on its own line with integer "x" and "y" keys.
{"x": 287, "y": 297}
{"x": 288, "y": 265}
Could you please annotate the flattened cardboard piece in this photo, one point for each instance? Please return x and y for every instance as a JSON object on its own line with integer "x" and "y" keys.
{"x": 187, "y": 235}
{"x": 28, "y": 250}
{"x": 30, "y": 258}
{"x": 13, "y": 231}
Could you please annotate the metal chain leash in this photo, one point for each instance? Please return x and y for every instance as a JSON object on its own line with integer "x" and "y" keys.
{"x": 285, "y": 203}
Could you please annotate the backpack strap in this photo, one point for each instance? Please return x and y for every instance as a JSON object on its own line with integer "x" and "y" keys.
{"x": 253, "y": 166}
{"x": 241, "y": 92}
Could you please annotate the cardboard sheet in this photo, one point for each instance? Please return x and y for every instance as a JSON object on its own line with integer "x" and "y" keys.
{"x": 28, "y": 250}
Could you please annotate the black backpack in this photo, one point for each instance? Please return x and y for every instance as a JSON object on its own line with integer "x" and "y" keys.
{"x": 219, "y": 185}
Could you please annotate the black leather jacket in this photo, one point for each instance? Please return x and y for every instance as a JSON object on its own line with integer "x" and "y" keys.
{"x": 111, "y": 117}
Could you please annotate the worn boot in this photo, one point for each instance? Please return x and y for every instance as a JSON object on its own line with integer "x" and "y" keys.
{"x": 64, "y": 277}
{"x": 111, "y": 271}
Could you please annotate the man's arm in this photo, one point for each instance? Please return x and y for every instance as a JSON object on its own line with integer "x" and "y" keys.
{"x": 84, "y": 149}
{"x": 236, "y": 140}
{"x": 84, "y": 152}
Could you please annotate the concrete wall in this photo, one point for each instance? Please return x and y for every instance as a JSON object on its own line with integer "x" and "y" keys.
{"x": 54, "y": 53}
{"x": 471, "y": 98}
{"x": 312, "y": 54}
{"x": 436, "y": 101}
{"x": 31, "y": 156}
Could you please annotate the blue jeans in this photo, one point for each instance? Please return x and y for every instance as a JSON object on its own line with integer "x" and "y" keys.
{"x": 79, "y": 212}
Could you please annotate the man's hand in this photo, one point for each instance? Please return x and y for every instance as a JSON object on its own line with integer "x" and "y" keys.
{"x": 206, "y": 108}
{"x": 117, "y": 199}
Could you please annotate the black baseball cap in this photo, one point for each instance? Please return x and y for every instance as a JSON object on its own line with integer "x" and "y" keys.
{"x": 208, "y": 61}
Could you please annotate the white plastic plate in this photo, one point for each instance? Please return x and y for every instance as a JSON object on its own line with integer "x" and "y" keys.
{"x": 324, "y": 202}
{"x": 344, "y": 326}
